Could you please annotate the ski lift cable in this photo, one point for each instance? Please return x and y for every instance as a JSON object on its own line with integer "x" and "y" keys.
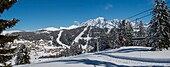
{"x": 139, "y": 13}
{"x": 146, "y": 15}
{"x": 142, "y": 17}
{"x": 143, "y": 12}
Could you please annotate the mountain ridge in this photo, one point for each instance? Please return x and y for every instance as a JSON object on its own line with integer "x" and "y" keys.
{"x": 100, "y": 22}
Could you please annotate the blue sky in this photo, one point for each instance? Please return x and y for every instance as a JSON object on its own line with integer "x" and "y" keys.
{"x": 36, "y": 14}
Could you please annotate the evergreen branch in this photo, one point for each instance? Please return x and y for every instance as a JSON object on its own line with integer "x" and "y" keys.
{"x": 7, "y": 24}
{"x": 6, "y": 4}
{"x": 4, "y": 58}
{"x": 7, "y": 51}
{"x": 6, "y": 39}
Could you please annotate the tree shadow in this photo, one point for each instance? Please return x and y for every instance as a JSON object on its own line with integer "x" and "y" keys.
{"x": 130, "y": 50}
{"x": 95, "y": 63}
{"x": 88, "y": 62}
{"x": 160, "y": 60}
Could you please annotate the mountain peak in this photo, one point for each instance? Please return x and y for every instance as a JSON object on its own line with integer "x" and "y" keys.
{"x": 101, "y": 18}
{"x": 100, "y": 22}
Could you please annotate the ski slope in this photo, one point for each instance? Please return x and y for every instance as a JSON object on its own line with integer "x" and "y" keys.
{"x": 58, "y": 40}
{"x": 125, "y": 56}
{"x": 79, "y": 36}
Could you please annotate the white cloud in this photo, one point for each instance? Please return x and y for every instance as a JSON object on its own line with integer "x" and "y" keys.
{"x": 108, "y": 6}
{"x": 77, "y": 22}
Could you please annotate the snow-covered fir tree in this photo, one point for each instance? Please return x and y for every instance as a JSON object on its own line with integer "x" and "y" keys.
{"x": 23, "y": 55}
{"x": 129, "y": 34}
{"x": 116, "y": 41}
{"x": 6, "y": 53}
{"x": 122, "y": 33}
{"x": 141, "y": 33}
{"x": 158, "y": 30}
{"x": 125, "y": 32}
{"x": 75, "y": 49}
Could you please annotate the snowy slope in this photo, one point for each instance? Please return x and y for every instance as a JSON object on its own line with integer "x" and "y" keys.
{"x": 101, "y": 22}
{"x": 87, "y": 39}
{"x": 125, "y": 56}
{"x": 79, "y": 36}
{"x": 58, "y": 40}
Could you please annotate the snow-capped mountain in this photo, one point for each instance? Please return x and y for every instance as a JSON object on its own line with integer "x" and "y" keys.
{"x": 70, "y": 27}
{"x": 66, "y": 36}
{"x": 60, "y": 28}
{"x": 83, "y": 34}
{"x": 52, "y": 41}
{"x": 50, "y": 29}
{"x": 101, "y": 22}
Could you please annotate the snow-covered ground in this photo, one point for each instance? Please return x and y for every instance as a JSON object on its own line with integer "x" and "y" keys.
{"x": 124, "y": 56}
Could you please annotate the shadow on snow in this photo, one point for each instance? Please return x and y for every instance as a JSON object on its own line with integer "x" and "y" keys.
{"x": 94, "y": 63}
{"x": 88, "y": 62}
{"x": 130, "y": 50}
{"x": 109, "y": 64}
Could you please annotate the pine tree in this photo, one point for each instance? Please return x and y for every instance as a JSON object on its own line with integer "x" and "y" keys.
{"x": 75, "y": 49}
{"x": 122, "y": 33}
{"x": 125, "y": 33}
{"x": 116, "y": 42}
{"x": 23, "y": 56}
{"x": 6, "y": 53}
{"x": 129, "y": 35}
{"x": 159, "y": 25}
{"x": 141, "y": 33}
